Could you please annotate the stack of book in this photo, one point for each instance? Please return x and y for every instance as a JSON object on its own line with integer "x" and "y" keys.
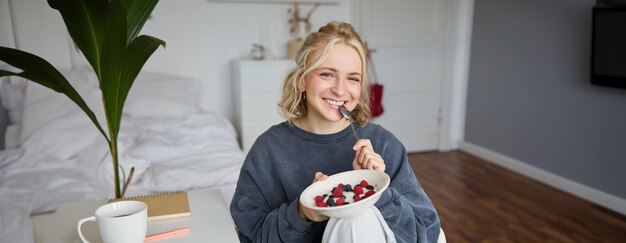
{"x": 163, "y": 206}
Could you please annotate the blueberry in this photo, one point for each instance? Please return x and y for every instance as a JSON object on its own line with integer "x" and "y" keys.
{"x": 347, "y": 188}
{"x": 331, "y": 197}
{"x": 370, "y": 187}
{"x": 330, "y": 202}
{"x": 355, "y": 196}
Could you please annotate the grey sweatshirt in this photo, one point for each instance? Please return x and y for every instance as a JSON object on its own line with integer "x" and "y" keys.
{"x": 283, "y": 162}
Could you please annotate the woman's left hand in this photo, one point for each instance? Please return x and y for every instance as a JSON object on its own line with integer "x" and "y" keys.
{"x": 366, "y": 158}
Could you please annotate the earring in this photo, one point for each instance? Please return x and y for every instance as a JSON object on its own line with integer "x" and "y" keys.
{"x": 304, "y": 95}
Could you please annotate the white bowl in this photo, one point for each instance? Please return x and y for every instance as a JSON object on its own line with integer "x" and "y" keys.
{"x": 378, "y": 179}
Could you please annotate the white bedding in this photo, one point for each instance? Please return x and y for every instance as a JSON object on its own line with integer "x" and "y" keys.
{"x": 66, "y": 159}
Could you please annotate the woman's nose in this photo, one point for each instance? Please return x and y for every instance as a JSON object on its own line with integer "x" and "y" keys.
{"x": 340, "y": 87}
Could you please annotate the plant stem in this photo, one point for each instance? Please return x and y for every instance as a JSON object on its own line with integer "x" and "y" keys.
{"x": 113, "y": 148}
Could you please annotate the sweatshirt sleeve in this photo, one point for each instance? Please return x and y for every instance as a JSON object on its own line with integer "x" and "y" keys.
{"x": 258, "y": 222}
{"x": 405, "y": 206}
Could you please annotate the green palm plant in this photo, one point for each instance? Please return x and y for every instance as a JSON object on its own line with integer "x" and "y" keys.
{"x": 107, "y": 33}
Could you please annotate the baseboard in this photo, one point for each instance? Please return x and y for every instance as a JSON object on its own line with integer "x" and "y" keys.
{"x": 596, "y": 196}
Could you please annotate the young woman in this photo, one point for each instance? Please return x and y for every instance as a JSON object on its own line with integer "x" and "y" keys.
{"x": 317, "y": 141}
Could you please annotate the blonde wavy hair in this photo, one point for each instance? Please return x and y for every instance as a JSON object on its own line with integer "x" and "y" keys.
{"x": 314, "y": 51}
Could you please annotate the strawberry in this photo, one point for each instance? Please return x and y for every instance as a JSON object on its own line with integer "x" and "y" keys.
{"x": 321, "y": 204}
{"x": 338, "y": 192}
{"x": 340, "y": 202}
{"x": 358, "y": 190}
{"x": 363, "y": 183}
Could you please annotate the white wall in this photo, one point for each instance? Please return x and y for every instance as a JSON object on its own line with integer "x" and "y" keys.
{"x": 203, "y": 37}
{"x": 206, "y": 36}
{"x": 6, "y": 39}
{"x": 6, "y": 30}
{"x": 39, "y": 29}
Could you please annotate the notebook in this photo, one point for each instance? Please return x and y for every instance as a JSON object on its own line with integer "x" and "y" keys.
{"x": 163, "y": 206}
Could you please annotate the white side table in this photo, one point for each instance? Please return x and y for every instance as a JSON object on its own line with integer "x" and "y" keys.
{"x": 210, "y": 221}
{"x": 258, "y": 87}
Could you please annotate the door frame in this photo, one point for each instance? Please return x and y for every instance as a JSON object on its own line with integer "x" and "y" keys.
{"x": 457, "y": 46}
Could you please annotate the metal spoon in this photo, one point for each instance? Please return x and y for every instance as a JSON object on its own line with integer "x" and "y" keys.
{"x": 346, "y": 113}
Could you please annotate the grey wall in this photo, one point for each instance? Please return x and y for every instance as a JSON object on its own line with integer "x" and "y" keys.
{"x": 529, "y": 95}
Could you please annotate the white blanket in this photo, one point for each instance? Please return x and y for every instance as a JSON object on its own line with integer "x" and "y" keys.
{"x": 68, "y": 160}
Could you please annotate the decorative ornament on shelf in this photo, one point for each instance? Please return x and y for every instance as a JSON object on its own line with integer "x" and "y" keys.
{"x": 300, "y": 28}
{"x": 258, "y": 52}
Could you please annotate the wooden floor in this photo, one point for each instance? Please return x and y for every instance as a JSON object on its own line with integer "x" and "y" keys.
{"x": 478, "y": 201}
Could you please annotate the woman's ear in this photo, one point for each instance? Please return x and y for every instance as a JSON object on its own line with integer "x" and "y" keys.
{"x": 301, "y": 86}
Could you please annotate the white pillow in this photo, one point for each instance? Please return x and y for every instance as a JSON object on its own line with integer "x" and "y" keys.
{"x": 42, "y": 105}
{"x": 64, "y": 137}
{"x": 12, "y": 136}
{"x": 162, "y": 95}
{"x": 152, "y": 94}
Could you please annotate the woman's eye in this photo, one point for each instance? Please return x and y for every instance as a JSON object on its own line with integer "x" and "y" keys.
{"x": 328, "y": 75}
{"x": 354, "y": 79}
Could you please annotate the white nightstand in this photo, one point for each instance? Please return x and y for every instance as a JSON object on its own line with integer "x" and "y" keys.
{"x": 258, "y": 87}
{"x": 210, "y": 221}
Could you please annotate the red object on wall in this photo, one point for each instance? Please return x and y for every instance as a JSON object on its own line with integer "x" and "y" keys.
{"x": 376, "y": 97}
{"x": 376, "y": 89}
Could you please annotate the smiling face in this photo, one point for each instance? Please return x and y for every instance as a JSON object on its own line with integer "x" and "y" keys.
{"x": 336, "y": 82}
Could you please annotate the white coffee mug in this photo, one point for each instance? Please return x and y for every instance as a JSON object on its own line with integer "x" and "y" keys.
{"x": 124, "y": 221}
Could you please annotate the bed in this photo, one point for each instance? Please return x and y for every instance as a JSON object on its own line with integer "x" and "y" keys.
{"x": 54, "y": 154}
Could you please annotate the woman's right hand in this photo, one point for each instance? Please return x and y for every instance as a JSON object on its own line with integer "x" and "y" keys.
{"x": 310, "y": 214}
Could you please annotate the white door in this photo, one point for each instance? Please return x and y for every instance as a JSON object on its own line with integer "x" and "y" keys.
{"x": 408, "y": 38}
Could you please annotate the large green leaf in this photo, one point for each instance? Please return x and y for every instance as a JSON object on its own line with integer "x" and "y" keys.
{"x": 137, "y": 13}
{"x": 112, "y": 64}
{"x": 137, "y": 53}
{"x": 42, "y": 72}
{"x": 86, "y": 22}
